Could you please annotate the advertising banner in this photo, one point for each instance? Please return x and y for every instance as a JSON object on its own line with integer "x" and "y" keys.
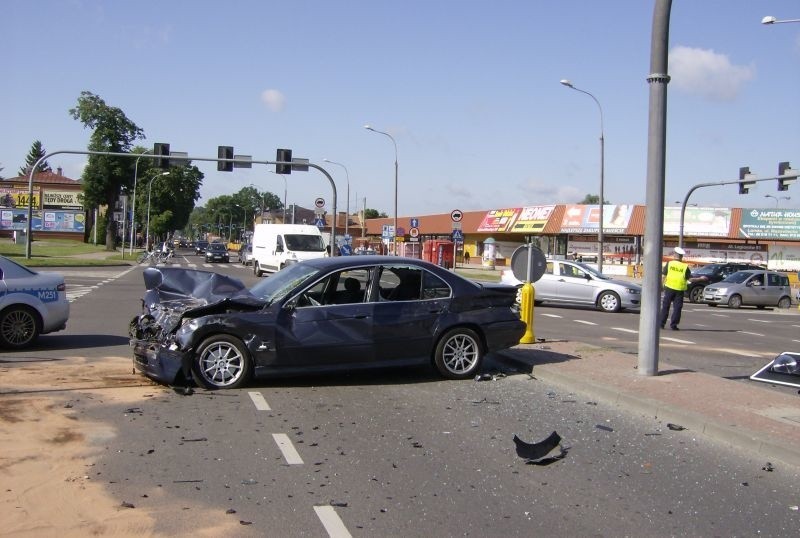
{"x": 698, "y": 221}
{"x": 498, "y": 220}
{"x": 11, "y": 198}
{"x": 54, "y": 221}
{"x": 586, "y": 218}
{"x": 770, "y": 224}
{"x": 62, "y": 199}
{"x": 532, "y": 219}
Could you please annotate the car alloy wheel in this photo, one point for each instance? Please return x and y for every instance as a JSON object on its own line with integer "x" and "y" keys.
{"x": 785, "y": 302}
{"x": 19, "y": 327}
{"x": 735, "y": 301}
{"x": 222, "y": 362}
{"x": 458, "y": 353}
{"x": 696, "y": 294}
{"x": 608, "y": 301}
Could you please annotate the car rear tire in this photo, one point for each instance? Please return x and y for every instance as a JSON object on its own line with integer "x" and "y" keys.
{"x": 257, "y": 269}
{"x": 696, "y": 294}
{"x": 785, "y": 302}
{"x": 19, "y": 326}
{"x": 459, "y": 353}
{"x": 608, "y": 301}
{"x": 222, "y": 362}
{"x": 735, "y": 301}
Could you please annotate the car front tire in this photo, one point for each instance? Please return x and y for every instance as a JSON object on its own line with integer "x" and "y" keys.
{"x": 735, "y": 301}
{"x": 19, "y": 327}
{"x": 222, "y": 362}
{"x": 458, "y": 354}
{"x": 257, "y": 269}
{"x": 696, "y": 294}
{"x": 608, "y": 301}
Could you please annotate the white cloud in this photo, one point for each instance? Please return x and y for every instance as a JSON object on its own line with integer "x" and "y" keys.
{"x": 274, "y": 100}
{"x": 707, "y": 74}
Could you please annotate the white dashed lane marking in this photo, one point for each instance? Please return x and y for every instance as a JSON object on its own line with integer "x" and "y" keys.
{"x": 286, "y": 447}
{"x": 751, "y": 334}
{"x": 259, "y": 401}
{"x": 623, "y": 329}
{"x": 332, "y": 522}
{"x": 584, "y": 322}
{"x": 676, "y": 340}
{"x": 551, "y": 316}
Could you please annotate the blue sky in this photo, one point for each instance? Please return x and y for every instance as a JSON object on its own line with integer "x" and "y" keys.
{"x": 469, "y": 90}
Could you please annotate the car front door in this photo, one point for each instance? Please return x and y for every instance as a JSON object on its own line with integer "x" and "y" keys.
{"x": 755, "y": 292}
{"x": 574, "y": 286}
{"x": 323, "y": 328}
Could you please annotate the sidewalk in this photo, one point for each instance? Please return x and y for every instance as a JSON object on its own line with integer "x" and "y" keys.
{"x": 746, "y": 415}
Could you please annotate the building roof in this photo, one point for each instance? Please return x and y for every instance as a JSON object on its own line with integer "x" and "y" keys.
{"x": 45, "y": 177}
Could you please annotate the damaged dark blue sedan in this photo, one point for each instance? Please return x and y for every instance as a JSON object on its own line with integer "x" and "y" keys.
{"x": 340, "y": 313}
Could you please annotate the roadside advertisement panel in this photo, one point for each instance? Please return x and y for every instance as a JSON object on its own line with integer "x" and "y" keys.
{"x": 62, "y": 200}
{"x": 11, "y": 198}
{"x": 770, "y": 224}
{"x": 586, "y": 218}
{"x": 698, "y": 221}
{"x": 53, "y": 221}
{"x": 498, "y": 220}
{"x": 533, "y": 219}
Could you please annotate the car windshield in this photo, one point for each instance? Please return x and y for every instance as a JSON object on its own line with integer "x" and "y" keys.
{"x": 592, "y": 271}
{"x": 738, "y": 277}
{"x": 308, "y": 243}
{"x": 217, "y": 246}
{"x": 283, "y": 282}
{"x": 707, "y": 269}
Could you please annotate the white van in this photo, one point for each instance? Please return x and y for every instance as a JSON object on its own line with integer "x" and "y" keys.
{"x": 277, "y": 245}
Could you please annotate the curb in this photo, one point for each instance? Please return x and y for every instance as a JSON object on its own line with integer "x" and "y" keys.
{"x": 757, "y": 443}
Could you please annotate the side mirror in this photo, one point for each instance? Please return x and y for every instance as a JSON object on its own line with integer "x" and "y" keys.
{"x": 279, "y": 248}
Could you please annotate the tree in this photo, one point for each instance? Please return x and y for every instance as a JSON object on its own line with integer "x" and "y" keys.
{"x": 373, "y": 214}
{"x": 592, "y": 199}
{"x": 172, "y": 195}
{"x": 105, "y": 176}
{"x": 232, "y": 211}
{"x": 36, "y": 153}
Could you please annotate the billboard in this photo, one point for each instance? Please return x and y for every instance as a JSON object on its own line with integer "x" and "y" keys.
{"x": 532, "y": 219}
{"x": 698, "y": 221}
{"x": 498, "y": 220}
{"x": 770, "y": 224}
{"x": 586, "y": 218}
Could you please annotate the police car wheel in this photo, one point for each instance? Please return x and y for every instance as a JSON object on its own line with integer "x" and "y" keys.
{"x": 19, "y": 326}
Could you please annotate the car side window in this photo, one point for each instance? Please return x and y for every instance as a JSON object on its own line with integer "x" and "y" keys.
{"x": 567, "y": 270}
{"x": 351, "y": 286}
{"x": 400, "y": 283}
{"x": 773, "y": 280}
{"x": 549, "y": 269}
{"x": 434, "y": 287}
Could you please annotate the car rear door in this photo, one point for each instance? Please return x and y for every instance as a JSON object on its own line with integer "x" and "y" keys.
{"x": 573, "y": 285}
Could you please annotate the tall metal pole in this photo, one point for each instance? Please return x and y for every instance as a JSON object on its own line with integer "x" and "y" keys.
{"x": 149, "y": 187}
{"x": 133, "y": 204}
{"x": 395, "y": 181}
{"x": 569, "y": 84}
{"x": 347, "y": 205}
{"x": 656, "y": 166}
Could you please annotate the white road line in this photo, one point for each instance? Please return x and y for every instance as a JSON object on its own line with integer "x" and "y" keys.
{"x": 584, "y": 322}
{"x": 287, "y": 449}
{"x": 752, "y": 334}
{"x": 332, "y": 522}
{"x": 625, "y": 330}
{"x": 720, "y": 315}
{"x": 795, "y": 340}
{"x": 798, "y": 326}
{"x": 741, "y": 353}
{"x": 552, "y": 316}
{"x": 259, "y": 401}
{"x": 760, "y": 320}
{"x": 676, "y": 340}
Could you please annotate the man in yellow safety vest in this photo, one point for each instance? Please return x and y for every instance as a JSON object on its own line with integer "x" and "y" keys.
{"x": 677, "y": 277}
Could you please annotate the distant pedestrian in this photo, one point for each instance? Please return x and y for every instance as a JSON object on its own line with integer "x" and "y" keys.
{"x": 466, "y": 257}
{"x": 676, "y": 281}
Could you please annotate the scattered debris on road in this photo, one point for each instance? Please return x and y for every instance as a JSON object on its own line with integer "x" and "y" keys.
{"x": 537, "y": 453}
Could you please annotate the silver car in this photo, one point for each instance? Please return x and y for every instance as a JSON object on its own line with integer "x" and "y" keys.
{"x": 575, "y": 283}
{"x": 750, "y": 288}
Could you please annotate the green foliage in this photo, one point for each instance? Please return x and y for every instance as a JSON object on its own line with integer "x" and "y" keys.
{"x": 172, "y": 195}
{"x": 592, "y": 199}
{"x": 234, "y": 211}
{"x": 105, "y": 176}
{"x": 36, "y": 153}
{"x": 374, "y": 214}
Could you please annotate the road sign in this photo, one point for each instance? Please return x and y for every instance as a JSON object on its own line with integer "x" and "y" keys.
{"x": 456, "y": 215}
{"x": 401, "y": 231}
{"x": 414, "y": 232}
{"x": 458, "y": 236}
{"x": 414, "y": 222}
{"x": 319, "y": 202}
{"x": 456, "y": 226}
{"x": 319, "y": 222}
{"x": 522, "y": 269}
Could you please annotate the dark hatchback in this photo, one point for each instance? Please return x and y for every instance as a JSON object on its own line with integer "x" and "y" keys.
{"x": 714, "y": 272}
{"x": 217, "y": 252}
{"x": 340, "y": 313}
{"x": 200, "y": 247}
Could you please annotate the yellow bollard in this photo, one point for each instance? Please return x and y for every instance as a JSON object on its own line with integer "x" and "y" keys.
{"x": 527, "y": 295}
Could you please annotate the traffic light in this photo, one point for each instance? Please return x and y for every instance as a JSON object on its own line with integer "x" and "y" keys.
{"x": 786, "y": 176}
{"x": 225, "y": 152}
{"x": 162, "y": 150}
{"x": 744, "y": 176}
{"x": 284, "y": 155}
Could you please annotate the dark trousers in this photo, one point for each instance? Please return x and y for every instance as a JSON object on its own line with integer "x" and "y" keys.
{"x": 674, "y": 298}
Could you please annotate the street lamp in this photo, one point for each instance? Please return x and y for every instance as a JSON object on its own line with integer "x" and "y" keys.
{"x": 285, "y": 189}
{"x": 347, "y": 216}
{"x": 149, "y": 186}
{"x": 133, "y": 204}
{"x": 367, "y": 127}
{"x": 777, "y": 198}
{"x": 568, "y": 84}
{"x": 769, "y": 19}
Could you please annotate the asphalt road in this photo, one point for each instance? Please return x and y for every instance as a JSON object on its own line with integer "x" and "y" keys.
{"x": 405, "y": 453}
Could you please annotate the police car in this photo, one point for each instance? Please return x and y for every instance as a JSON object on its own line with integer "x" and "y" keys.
{"x": 31, "y": 304}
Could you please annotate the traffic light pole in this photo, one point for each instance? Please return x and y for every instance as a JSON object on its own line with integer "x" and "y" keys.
{"x": 730, "y": 182}
{"x": 28, "y": 239}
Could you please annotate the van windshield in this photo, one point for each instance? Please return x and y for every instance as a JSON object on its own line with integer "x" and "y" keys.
{"x": 305, "y": 243}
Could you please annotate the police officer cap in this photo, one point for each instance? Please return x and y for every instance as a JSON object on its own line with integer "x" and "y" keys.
{"x": 679, "y": 251}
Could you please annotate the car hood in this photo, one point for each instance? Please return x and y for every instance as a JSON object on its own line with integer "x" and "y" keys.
{"x": 175, "y": 294}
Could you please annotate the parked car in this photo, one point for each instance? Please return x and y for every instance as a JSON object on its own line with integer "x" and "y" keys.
{"x": 246, "y": 254}
{"x": 569, "y": 282}
{"x": 341, "y": 313}
{"x": 31, "y": 304}
{"x": 200, "y": 247}
{"x": 750, "y": 288}
{"x": 217, "y": 252}
{"x": 714, "y": 272}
